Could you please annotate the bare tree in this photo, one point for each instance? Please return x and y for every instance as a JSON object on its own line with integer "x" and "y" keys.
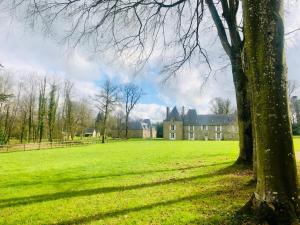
{"x": 221, "y": 106}
{"x": 68, "y": 112}
{"x": 30, "y": 84}
{"x": 292, "y": 87}
{"x": 131, "y": 94}
{"x": 41, "y": 109}
{"x": 83, "y": 115}
{"x": 134, "y": 29}
{"x": 52, "y": 109}
{"x": 106, "y": 100}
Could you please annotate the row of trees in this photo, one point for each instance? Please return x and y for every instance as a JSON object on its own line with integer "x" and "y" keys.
{"x": 111, "y": 96}
{"x": 34, "y": 109}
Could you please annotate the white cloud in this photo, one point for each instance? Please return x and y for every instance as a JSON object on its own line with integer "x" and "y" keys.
{"x": 23, "y": 50}
{"x": 154, "y": 112}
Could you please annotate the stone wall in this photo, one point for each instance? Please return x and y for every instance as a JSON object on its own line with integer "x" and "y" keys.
{"x": 228, "y": 132}
{"x": 178, "y": 131}
{"x": 133, "y": 133}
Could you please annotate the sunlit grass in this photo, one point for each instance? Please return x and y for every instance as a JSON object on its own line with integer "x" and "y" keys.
{"x": 134, "y": 182}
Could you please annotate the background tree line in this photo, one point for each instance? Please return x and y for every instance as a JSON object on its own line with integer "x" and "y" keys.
{"x": 38, "y": 108}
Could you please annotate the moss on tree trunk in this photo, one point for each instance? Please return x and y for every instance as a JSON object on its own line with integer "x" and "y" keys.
{"x": 243, "y": 110}
{"x": 276, "y": 197}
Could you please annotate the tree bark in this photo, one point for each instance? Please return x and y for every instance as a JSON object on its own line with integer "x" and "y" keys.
{"x": 276, "y": 198}
{"x": 126, "y": 126}
{"x": 243, "y": 103}
{"x": 234, "y": 52}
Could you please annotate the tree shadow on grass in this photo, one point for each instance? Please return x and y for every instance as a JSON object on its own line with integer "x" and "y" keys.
{"x": 206, "y": 195}
{"x": 11, "y": 202}
{"x": 65, "y": 180}
{"x": 233, "y": 219}
{"x": 98, "y": 216}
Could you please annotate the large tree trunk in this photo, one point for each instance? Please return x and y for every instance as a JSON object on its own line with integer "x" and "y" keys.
{"x": 234, "y": 52}
{"x": 276, "y": 197}
{"x": 243, "y": 110}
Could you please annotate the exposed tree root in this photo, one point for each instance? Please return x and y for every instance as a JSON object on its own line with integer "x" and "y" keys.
{"x": 241, "y": 161}
{"x": 274, "y": 213}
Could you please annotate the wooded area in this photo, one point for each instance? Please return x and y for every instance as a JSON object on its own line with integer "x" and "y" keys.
{"x": 35, "y": 109}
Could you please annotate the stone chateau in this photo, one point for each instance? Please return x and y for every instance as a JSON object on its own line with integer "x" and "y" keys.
{"x": 191, "y": 126}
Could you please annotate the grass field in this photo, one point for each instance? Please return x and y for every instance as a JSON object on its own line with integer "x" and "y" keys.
{"x": 134, "y": 182}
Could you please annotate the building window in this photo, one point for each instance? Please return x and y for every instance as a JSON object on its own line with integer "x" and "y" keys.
{"x": 191, "y": 136}
{"x": 218, "y": 136}
{"x": 173, "y": 127}
{"x": 191, "y": 128}
{"x": 218, "y": 128}
{"x": 205, "y": 127}
{"x": 172, "y": 136}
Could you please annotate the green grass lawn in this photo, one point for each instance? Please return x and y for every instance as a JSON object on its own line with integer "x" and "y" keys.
{"x": 134, "y": 182}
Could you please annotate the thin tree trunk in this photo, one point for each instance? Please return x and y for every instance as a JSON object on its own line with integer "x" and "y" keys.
{"x": 104, "y": 124}
{"x": 276, "y": 197}
{"x": 126, "y": 126}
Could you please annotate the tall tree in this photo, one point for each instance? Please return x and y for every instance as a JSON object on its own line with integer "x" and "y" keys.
{"x": 42, "y": 109}
{"x": 83, "y": 116}
{"x": 106, "y": 100}
{"x": 131, "y": 94}
{"x": 276, "y": 198}
{"x": 52, "y": 109}
{"x": 68, "y": 112}
{"x": 31, "y": 100}
{"x": 233, "y": 46}
{"x": 134, "y": 28}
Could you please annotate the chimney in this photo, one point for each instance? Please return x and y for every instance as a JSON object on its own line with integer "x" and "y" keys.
{"x": 168, "y": 112}
{"x": 182, "y": 111}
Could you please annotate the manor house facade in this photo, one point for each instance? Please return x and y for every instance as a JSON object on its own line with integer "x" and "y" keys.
{"x": 191, "y": 126}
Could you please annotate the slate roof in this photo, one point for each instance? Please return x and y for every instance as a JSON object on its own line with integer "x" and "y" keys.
{"x": 137, "y": 125}
{"x": 215, "y": 119}
{"x": 192, "y": 118}
{"x": 174, "y": 115}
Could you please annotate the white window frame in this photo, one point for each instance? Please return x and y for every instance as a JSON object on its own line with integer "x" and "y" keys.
{"x": 174, "y": 127}
{"x": 172, "y": 134}
{"x": 218, "y": 136}
{"x": 191, "y": 136}
{"x": 191, "y": 128}
{"x": 218, "y": 128}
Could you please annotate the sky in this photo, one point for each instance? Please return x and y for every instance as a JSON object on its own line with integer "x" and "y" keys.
{"x": 25, "y": 50}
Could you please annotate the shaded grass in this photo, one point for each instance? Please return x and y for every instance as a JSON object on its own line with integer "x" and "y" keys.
{"x": 134, "y": 182}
